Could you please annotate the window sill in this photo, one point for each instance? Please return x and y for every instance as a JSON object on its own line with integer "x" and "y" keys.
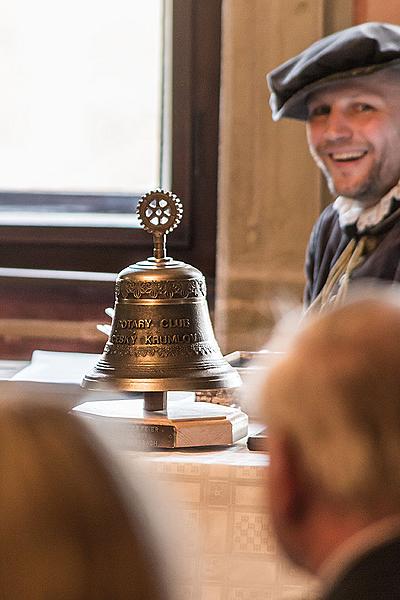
{"x": 67, "y": 219}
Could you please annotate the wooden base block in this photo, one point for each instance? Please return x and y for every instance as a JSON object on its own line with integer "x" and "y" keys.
{"x": 184, "y": 424}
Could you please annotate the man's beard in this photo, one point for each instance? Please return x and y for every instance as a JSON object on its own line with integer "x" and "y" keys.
{"x": 366, "y": 190}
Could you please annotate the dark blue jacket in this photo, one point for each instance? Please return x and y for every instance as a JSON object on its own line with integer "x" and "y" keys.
{"x": 373, "y": 576}
{"x": 328, "y": 241}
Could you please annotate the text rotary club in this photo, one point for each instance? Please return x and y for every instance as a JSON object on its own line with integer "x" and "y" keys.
{"x": 123, "y": 337}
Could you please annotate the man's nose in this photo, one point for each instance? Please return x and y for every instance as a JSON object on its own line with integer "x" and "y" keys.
{"x": 337, "y": 126}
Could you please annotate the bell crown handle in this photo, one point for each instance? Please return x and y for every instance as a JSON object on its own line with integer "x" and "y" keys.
{"x": 159, "y": 213}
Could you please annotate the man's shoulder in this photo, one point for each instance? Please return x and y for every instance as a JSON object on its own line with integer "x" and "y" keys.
{"x": 328, "y": 217}
{"x": 373, "y": 576}
{"x": 326, "y": 225}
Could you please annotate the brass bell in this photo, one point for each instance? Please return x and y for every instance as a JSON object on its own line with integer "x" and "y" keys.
{"x": 161, "y": 336}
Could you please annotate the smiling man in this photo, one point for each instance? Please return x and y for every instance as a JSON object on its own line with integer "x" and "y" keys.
{"x": 346, "y": 87}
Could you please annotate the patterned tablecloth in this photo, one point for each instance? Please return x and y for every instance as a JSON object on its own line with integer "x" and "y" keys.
{"x": 232, "y": 554}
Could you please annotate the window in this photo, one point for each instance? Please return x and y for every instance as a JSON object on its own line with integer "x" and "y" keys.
{"x": 45, "y": 177}
{"x": 81, "y": 118}
{"x": 79, "y": 114}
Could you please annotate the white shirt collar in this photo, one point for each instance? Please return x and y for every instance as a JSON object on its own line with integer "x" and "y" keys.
{"x": 353, "y": 212}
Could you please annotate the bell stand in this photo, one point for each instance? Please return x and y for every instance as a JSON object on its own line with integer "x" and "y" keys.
{"x": 157, "y": 423}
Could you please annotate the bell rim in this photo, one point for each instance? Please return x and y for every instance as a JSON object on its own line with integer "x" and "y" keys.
{"x": 170, "y": 384}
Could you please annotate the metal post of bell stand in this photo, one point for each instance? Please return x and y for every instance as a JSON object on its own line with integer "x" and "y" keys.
{"x": 154, "y": 401}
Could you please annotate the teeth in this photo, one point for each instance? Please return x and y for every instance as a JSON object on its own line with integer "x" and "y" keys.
{"x": 347, "y": 155}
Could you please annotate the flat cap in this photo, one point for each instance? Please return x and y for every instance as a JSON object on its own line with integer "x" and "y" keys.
{"x": 352, "y": 52}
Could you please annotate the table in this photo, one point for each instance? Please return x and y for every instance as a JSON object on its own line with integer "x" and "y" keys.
{"x": 221, "y": 496}
{"x": 231, "y": 553}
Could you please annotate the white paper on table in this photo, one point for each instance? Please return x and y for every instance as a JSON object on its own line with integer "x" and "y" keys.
{"x": 57, "y": 367}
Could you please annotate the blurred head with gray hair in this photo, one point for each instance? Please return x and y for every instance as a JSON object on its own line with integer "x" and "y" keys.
{"x": 72, "y": 525}
{"x": 332, "y": 406}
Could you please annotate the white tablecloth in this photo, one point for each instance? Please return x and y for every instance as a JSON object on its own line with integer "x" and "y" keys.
{"x": 231, "y": 552}
{"x": 221, "y": 496}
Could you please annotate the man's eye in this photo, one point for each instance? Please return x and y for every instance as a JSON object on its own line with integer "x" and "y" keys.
{"x": 319, "y": 111}
{"x": 363, "y": 107}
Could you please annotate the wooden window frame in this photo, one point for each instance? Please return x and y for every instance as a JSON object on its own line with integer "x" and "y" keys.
{"x": 195, "y": 111}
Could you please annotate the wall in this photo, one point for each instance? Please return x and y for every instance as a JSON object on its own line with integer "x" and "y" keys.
{"x": 270, "y": 192}
{"x": 376, "y": 10}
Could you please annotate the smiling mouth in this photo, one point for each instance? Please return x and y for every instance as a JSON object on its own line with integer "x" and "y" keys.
{"x": 345, "y": 157}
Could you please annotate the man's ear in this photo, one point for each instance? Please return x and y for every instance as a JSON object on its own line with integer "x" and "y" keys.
{"x": 287, "y": 482}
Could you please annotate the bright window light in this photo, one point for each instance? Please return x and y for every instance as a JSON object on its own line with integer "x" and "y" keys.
{"x": 81, "y": 95}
